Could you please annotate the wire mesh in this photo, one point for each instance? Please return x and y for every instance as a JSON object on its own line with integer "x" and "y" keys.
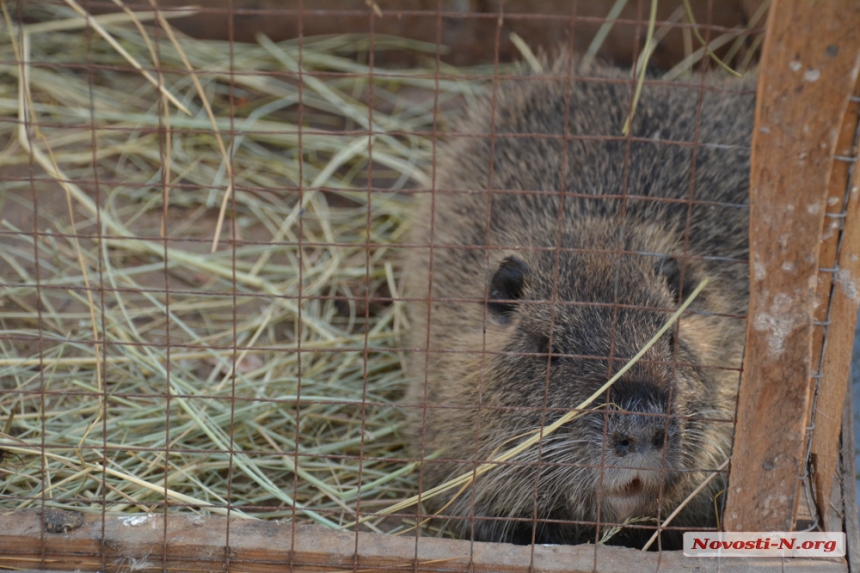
{"x": 203, "y": 301}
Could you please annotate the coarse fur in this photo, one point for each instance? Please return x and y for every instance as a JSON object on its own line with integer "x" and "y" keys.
{"x": 533, "y": 290}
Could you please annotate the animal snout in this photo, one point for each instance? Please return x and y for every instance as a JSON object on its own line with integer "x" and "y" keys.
{"x": 637, "y": 422}
{"x": 633, "y": 440}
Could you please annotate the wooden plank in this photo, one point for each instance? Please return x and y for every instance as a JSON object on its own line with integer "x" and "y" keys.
{"x": 836, "y": 189}
{"x": 843, "y": 306}
{"x": 849, "y": 484}
{"x": 463, "y": 34}
{"x": 824, "y": 451}
{"x": 199, "y": 544}
{"x": 808, "y": 68}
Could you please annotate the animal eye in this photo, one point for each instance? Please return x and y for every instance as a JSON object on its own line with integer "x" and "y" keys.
{"x": 507, "y": 285}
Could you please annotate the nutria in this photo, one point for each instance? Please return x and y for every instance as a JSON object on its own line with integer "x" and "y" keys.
{"x": 605, "y": 264}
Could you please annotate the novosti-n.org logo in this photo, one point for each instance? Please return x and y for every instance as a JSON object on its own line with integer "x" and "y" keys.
{"x": 769, "y": 544}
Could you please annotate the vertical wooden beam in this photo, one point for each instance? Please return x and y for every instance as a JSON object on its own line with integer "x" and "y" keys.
{"x": 842, "y": 307}
{"x": 849, "y": 484}
{"x": 808, "y": 68}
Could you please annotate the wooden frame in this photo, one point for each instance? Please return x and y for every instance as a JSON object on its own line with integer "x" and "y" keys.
{"x": 807, "y": 74}
{"x": 190, "y": 543}
{"x": 806, "y": 82}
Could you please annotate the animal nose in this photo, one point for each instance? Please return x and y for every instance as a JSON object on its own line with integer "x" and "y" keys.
{"x": 629, "y": 442}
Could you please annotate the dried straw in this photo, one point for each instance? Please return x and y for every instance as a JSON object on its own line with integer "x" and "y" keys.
{"x": 147, "y": 359}
{"x": 112, "y": 329}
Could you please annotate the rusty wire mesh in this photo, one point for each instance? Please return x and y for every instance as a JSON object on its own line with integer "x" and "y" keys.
{"x": 204, "y": 312}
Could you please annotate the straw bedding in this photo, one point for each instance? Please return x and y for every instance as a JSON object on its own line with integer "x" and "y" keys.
{"x": 207, "y": 366}
{"x": 196, "y": 296}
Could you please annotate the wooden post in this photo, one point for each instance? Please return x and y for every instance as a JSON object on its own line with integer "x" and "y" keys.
{"x": 808, "y": 69}
{"x": 838, "y": 298}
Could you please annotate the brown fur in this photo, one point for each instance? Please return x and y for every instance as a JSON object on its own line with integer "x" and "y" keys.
{"x": 488, "y": 378}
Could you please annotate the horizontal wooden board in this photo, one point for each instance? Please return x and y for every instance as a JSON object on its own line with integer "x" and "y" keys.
{"x": 197, "y": 544}
{"x": 468, "y": 27}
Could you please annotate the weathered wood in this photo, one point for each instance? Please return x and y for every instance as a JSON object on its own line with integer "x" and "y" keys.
{"x": 809, "y": 64}
{"x": 199, "y": 544}
{"x": 843, "y": 306}
{"x": 543, "y": 24}
{"x": 836, "y": 189}
{"x": 849, "y": 484}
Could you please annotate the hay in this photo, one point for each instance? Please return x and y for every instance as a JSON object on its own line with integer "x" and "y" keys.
{"x": 109, "y": 207}
{"x": 85, "y": 424}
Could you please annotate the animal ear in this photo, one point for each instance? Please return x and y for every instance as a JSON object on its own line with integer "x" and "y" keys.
{"x": 670, "y": 269}
{"x": 507, "y": 285}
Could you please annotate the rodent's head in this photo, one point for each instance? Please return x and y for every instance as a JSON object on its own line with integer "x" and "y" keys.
{"x": 553, "y": 319}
